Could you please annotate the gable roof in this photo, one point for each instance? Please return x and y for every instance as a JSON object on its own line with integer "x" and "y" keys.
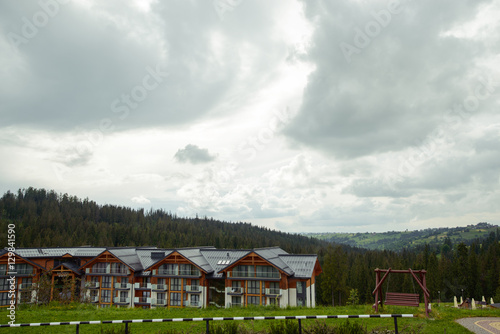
{"x": 210, "y": 260}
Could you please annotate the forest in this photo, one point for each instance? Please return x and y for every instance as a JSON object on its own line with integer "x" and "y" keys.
{"x": 44, "y": 218}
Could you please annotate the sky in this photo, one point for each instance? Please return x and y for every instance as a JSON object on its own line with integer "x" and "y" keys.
{"x": 300, "y": 116}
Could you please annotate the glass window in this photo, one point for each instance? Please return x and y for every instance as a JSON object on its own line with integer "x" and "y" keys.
{"x": 106, "y": 282}
{"x": 195, "y": 300}
{"x": 175, "y": 299}
{"x": 274, "y": 288}
{"x": 243, "y": 271}
{"x": 176, "y": 284}
{"x": 267, "y": 271}
{"x": 253, "y": 287}
{"x": 4, "y": 284}
{"x": 236, "y": 301}
{"x": 4, "y": 298}
{"x": 106, "y": 296}
{"x": 253, "y": 300}
{"x": 99, "y": 268}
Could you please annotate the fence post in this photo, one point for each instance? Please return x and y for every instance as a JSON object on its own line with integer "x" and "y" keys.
{"x": 396, "y": 325}
{"x": 126, "y": 328}
{"x": 300, "y": 327}
{"x": 77, "y": 328}
{"x": 208, "y": 326}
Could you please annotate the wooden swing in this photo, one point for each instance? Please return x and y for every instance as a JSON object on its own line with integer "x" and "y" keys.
{"x": 399, "y": 298}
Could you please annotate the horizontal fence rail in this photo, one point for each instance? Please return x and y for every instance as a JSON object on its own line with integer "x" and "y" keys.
{"x": 207, "y": 320}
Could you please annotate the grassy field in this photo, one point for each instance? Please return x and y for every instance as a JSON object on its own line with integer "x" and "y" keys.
{"x": 442, "y": 318}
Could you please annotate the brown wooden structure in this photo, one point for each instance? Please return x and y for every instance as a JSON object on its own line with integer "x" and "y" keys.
{"x": 398, "y": 298}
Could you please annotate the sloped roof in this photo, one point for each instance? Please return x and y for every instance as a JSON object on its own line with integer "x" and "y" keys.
{"x": 71, "y": 266}
{"x": 209, "y": 259}
{"x": 128, "y": 256}
{"x": 273, "y": 255}
{"x": 219, "y": 259}
{"x": 196, "y": 257}
{"x": 59, "y": 252}
{"x": 301, "y": 265}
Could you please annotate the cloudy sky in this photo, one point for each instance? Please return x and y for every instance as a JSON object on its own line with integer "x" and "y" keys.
{"x": 303, "y": 116}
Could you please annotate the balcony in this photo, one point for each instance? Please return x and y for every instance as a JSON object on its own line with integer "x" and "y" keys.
{"x": 236, "y": 291}
{"x": 142, "y": 300}
{"x": 273, "y": 292}
{"x": 193, "y": 288}
{"x": 166, "y": 272}
{"x": 106, "y": 285}
{"x": 249, "y": 274}
{"x": 192, "y": 273}
{"x": 123, "y": 286}
{"x": 121, "y": 300}
{"x": 120, "y": 271}
{"x": 93, "y": 285}
{"x": 142, "y": 285}
{"x": 159, "y": 287}
{"x": 159, "y": 302}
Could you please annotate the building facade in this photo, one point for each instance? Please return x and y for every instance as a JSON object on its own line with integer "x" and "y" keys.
{"x": 150, "y": 277}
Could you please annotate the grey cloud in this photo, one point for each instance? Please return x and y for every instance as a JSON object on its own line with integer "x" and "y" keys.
{"x": 396, "y": 90}
{"x": 193, "y": 154}
{"x": 86, "y": 66}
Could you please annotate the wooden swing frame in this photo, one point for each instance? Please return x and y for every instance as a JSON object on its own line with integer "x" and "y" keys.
{"x": 398, "y": 298}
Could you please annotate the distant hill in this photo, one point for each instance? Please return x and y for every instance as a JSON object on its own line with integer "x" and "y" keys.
{"x": 409, "y": 239}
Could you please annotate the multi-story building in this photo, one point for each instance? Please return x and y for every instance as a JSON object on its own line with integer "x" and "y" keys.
{"x": 150, "y": 277}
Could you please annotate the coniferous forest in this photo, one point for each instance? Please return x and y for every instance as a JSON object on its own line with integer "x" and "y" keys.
{"x": 45, "y": 218}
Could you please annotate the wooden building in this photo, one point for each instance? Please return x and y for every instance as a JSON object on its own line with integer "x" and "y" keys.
{"x": 150, "y": 277}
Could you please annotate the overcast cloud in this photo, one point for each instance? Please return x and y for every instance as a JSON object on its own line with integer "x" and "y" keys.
{"x": 296, "y": 115}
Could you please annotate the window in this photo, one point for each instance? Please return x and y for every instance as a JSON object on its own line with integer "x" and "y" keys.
{"x": 195, "y": 285}
{"x": 253, "y": 287}
{"x": 4, "y": 298}
{"x": 188, "y": 270}
{"x": 160, "y": 299}
{"x": 160, "y": 284}
{"x": 168, "y": 269}
{"x": 236, "y": 301}
{"x": 4, "y": 284}
{"x": 176, "y": 284}
{"x": 24, "y": 269}
{"x": 243, "y": 271}
{"x": 175, "y": 299}
{"x": 123, "y": 297}
{"x": 236, "y": 287}
{"x": 124, "y": 283}
{"x": 195, "y": 300}
{"x": 253, "y": 300}
{"x": 3, "y": 269}
{"x": 106, "y": 296}
{"x": 274, "y": 288}
{"x": 99, "y": 268}
{"x": 118, "y": 268}
{"x": 106, "y": 282}
{"x": 267, "y": 271}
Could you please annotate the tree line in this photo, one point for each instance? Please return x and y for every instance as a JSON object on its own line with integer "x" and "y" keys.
{"x": 44, "y": 218}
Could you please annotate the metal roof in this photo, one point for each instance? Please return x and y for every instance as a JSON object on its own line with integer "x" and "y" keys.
{"x": 273, "y": 256}
{"x": 128, "y": 256}
{"x": 302, "y": 265}
{"x": 209, "y": 259}
{"x": 149, "y": 257}
{"x": 194, "y": 255}
{"x": 218, "y": 258}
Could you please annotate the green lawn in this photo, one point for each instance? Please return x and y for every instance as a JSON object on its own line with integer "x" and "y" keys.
{"x": 441, "y": 318}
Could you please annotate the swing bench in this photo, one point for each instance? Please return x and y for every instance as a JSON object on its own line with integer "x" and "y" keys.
{"x": 402, "y": 299}
{"x": 399, "y": 298}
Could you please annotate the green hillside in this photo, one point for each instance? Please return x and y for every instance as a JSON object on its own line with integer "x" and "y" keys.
{"x": 409, "y": 239}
